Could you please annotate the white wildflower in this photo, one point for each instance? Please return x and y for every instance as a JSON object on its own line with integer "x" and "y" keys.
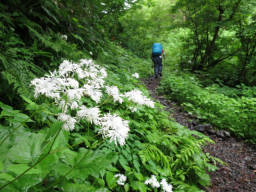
{"x": 137, "y": 97}
{"x": 65, "y": 67}
{"x": 63, "y": 117}
{"x": 153, "y": 182}
{"x": 95, "y": 94}
{"x": 103, "y": 73}
{"x": 70, "y": 82}
{"x": 74, "y": 105}
{"x": 52, "y": 74}
{"x": 64, "y": 37}
{"x": 63, "y": 105}
{"x": 92, "y": 69}
{"x": 149, "y": 103}
{"x": 165, "y": 186}
{"x": 114, "y": 127}
{"x": 93, "y": 74}
{"x": 133, "y": 109}
{"x": 114, "y": 92}
{"x": 69, "y": 122}
{"x": 91, "y": 114}
{"x": 86, "y": 62}
{"x": 136, "y": 75}
{"x": 75, "y": 94}
{"x": 96, "y": 83}
{"x": 121, "y": 179}
{"x": 90, "y": 91}
{"x": 81, "y": 73}
{"x": 46, "y": 86}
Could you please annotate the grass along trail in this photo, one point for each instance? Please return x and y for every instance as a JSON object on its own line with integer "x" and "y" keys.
{"x": 239, "y": 173}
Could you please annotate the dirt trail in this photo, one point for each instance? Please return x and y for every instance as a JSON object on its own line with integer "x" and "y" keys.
{"x": 239, "y": 175}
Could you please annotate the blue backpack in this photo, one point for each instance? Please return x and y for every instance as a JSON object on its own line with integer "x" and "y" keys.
{"x": 157, "y": 49}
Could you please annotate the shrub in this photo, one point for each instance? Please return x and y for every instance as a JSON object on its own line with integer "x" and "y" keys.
{"x": 234, "y": 114}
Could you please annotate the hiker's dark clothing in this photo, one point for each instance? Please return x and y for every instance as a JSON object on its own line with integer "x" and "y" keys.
{"x": 157, "y": 65}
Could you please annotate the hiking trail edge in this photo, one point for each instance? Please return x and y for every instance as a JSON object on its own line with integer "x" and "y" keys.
{"x": 239, "y": 175}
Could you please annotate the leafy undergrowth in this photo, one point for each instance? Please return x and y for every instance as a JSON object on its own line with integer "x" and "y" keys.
{"x": 112, "y": 137}
{"x": 79, "y": 134}
{"x": 234, "y": 114}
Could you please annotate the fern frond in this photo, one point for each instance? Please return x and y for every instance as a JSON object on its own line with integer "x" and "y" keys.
{"x": 151, "y": 152}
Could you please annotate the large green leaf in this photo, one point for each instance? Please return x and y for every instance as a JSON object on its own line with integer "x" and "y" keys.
{"x": 26, "y": 148}
{"x": 90, "y": 162}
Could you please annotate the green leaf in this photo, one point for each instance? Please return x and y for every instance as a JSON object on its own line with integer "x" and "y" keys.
{"x": 26, "y": 148}
{"x": 139, "y": 176}
{"x": 102, "y": 190}
{"x": 75, "y": 187}
{"x": 124, "y": 163}
{"x": 136, "y": 163}
{"x": 126, "y": 187}
{"x": 111, "y": 180}
{"x": 15, "y": 114}
{"x": 6, "y": 176}
{"x": 4, "y": 106}
{"x": 81, "y": 139}
{"x": 27, "y": 181}
{"x": 75, "y": 19}
{"x": 113, "y": 169}
{"x": 48, "y": 164}
{"x": 68, "y": 157}
{"x": 90, "y": 162}
{"x": 101, "y": 182}
{"x": 78, "y": 37}
{"x": 138, "y": 186}
{"x": 1, "y": 166}
{"x": 19, "y": 168}
{"x": 50, "y": 14}
{"x": 204, "y": 178}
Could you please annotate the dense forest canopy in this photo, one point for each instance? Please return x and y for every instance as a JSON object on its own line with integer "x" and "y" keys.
{"x": 222, "y": 38}
{"x": 75, "y": 117}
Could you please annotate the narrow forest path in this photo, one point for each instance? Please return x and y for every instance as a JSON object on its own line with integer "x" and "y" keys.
{"x": 239, "y": 175}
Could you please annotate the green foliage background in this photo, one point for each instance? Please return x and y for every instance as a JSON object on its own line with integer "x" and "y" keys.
{"x": 209, "y": 45}
{"x": 37, "y": 154}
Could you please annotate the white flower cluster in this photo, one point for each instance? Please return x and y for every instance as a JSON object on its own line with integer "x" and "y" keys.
{"x": 121, "y": 179}
{"x": 69, "y": 122}
{"x": 64, "y": 37}
{"x": 155, "y": 184}
{"x": 114, "y": 127}
{"x": 63, "y": 82}
{"x": 114, "y": 92}
{"x": 136, "y": 96}
{"x": 90, "y": 114}
{"x": 166, "y": 186}
{"x": 73, "y": 81}
{"x": 136, "y": 75}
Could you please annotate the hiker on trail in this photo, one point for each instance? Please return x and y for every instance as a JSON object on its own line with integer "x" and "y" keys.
{"x": 156, "y": 56}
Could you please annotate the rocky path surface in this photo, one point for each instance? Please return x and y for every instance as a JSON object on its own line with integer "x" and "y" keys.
{"x": 239, "y": 175}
